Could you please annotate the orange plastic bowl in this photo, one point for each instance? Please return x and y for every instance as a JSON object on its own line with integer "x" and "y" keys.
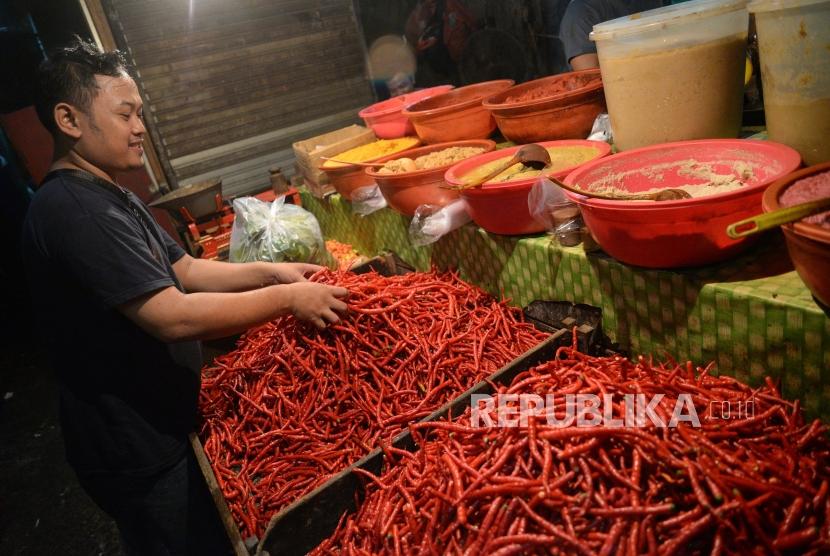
{"x": 501, "y": 208}
{"x": 808, "y": 244}
{"x": 456, "y": 115}
{"x": 345, "y": 179}
{"x": 561, "y": 106}
{"x": 407, "y": 191}
{"x": 386, "y": 118}
{"x": 689, "y": 232}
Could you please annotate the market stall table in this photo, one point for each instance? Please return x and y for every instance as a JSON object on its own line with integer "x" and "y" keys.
{"x": 753, "y": 316}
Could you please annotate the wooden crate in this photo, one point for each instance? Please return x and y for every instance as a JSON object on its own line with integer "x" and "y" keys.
{"x": 231, "y": 529}
{"x": 305, "y": 523}
{"x": 309, "y": 151}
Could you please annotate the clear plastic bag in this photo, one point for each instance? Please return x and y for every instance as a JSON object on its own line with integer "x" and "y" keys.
{"x": 549, "y": 205}
{"x": 431, "y": 222}
{"x": 275, "y": 232}
{"x": 366, "y": 200}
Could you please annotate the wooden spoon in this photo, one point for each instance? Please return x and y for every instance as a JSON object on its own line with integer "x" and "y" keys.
{"x": 363, "y": 164}
{"x": 763, "y": 222}
{"x": 662, "y": 195}
{"x": 533, "y": 155}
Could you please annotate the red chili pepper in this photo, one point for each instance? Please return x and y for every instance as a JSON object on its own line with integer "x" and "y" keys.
{"x": 324, "y": 399}
{"x": 613, "y": 490}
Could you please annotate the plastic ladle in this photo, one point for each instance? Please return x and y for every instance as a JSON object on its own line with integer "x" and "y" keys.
{"x": 533, "y": 155}
{"x": 662, "y": 195}
{"x": 763, "y": 222}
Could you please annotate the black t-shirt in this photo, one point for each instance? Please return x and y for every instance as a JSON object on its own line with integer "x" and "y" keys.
{"x": 128, "y": 400}
{"x": 581, "y": 16}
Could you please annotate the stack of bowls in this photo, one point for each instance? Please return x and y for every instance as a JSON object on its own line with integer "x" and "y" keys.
{"x": 386, "y": 118}
{"x": 456, "y": 115}
{"x": 561, "y": 106}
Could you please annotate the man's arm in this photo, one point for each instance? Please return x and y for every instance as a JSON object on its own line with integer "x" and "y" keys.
{"x": 201, "y": 275}
{"x": 585, "y": 61}
{"x": 173, "y": 316}
{"x": 577, "y": 23}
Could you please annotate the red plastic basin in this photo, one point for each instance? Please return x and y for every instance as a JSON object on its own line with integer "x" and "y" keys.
{"x": 689, "y": 232}
{"x": 386, "y": 118}
{"x": 501, "y": 208}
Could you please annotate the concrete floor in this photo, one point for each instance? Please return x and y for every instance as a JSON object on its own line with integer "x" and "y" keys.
{"x": 43, "y": 510}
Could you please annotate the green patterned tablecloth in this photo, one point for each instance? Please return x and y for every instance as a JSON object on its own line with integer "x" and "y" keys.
{"x": 753, "y": 316}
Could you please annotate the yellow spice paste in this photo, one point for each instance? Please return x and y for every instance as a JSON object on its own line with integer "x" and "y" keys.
{"x": 373, "y": 150}
{"x": 560, "y": 158}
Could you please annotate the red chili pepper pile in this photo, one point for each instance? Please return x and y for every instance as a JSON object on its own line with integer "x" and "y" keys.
{"x": 752, "y": 485}
{"x": 292, "y": 406}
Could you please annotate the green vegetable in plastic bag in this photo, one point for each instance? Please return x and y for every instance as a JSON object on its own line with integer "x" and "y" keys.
{"x": 275, "y": 232}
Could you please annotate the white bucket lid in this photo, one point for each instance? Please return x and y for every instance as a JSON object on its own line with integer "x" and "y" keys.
{"x": 775, "y": 5}
{"x": 667, "y": 16}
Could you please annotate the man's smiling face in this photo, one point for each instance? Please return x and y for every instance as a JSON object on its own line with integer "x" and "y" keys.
{"x": 112, "y": 130}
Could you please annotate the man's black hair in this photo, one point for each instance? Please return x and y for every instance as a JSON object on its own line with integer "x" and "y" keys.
{"x": 68, "y": 75}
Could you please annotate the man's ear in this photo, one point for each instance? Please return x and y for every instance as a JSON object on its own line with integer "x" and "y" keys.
{"x": 66, "y": 118}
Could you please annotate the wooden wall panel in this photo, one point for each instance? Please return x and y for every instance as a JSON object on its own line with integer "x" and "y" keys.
{"x": 222, "y": 78}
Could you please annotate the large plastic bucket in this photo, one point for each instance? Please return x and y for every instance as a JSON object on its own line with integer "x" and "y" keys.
{"x": 794, "y": 45}
{"x": 674, "y": 73}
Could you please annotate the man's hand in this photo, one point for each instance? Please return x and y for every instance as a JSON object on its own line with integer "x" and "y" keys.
{"x": 317, "y": 303}
{"x": 289, "y": 273}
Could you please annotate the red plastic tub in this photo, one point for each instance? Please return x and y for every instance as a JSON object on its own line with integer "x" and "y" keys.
{"x": 457, "y": 114}
{"x": 689, "y": 232}
{"x": 501, "y": 208}
{"x": 386, "y": 118}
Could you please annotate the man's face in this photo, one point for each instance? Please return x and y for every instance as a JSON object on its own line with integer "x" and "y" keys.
{"x": 112, "y": 130}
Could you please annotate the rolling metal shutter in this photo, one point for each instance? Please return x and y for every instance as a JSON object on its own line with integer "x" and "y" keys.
{"x": 231, "y": 84}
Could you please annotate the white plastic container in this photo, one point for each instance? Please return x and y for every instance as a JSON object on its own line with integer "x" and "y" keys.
{"x": 794, "y": 48}
{"x": 674, "y": 73}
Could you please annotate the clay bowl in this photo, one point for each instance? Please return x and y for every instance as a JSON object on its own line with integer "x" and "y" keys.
{"x": 808, "y": 244}
{"x": 456, "y": 115}
{"x": 347, "y": 178}
{"x": 406, "y": 191}
{"x": 561, "y": 106}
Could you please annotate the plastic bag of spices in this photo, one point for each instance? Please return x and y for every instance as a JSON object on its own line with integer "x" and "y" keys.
{"x": 569, "y": 234}
{"x": 366, "y": 200}
{"x": 432, "y": 222}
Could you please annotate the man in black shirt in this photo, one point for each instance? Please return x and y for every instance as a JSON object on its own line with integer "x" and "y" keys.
{"x": 122, "y": 307}
{"x": 580, "y": 18}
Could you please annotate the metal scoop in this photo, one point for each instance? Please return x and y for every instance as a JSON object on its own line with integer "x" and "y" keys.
{"x": 533, "y": 155}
